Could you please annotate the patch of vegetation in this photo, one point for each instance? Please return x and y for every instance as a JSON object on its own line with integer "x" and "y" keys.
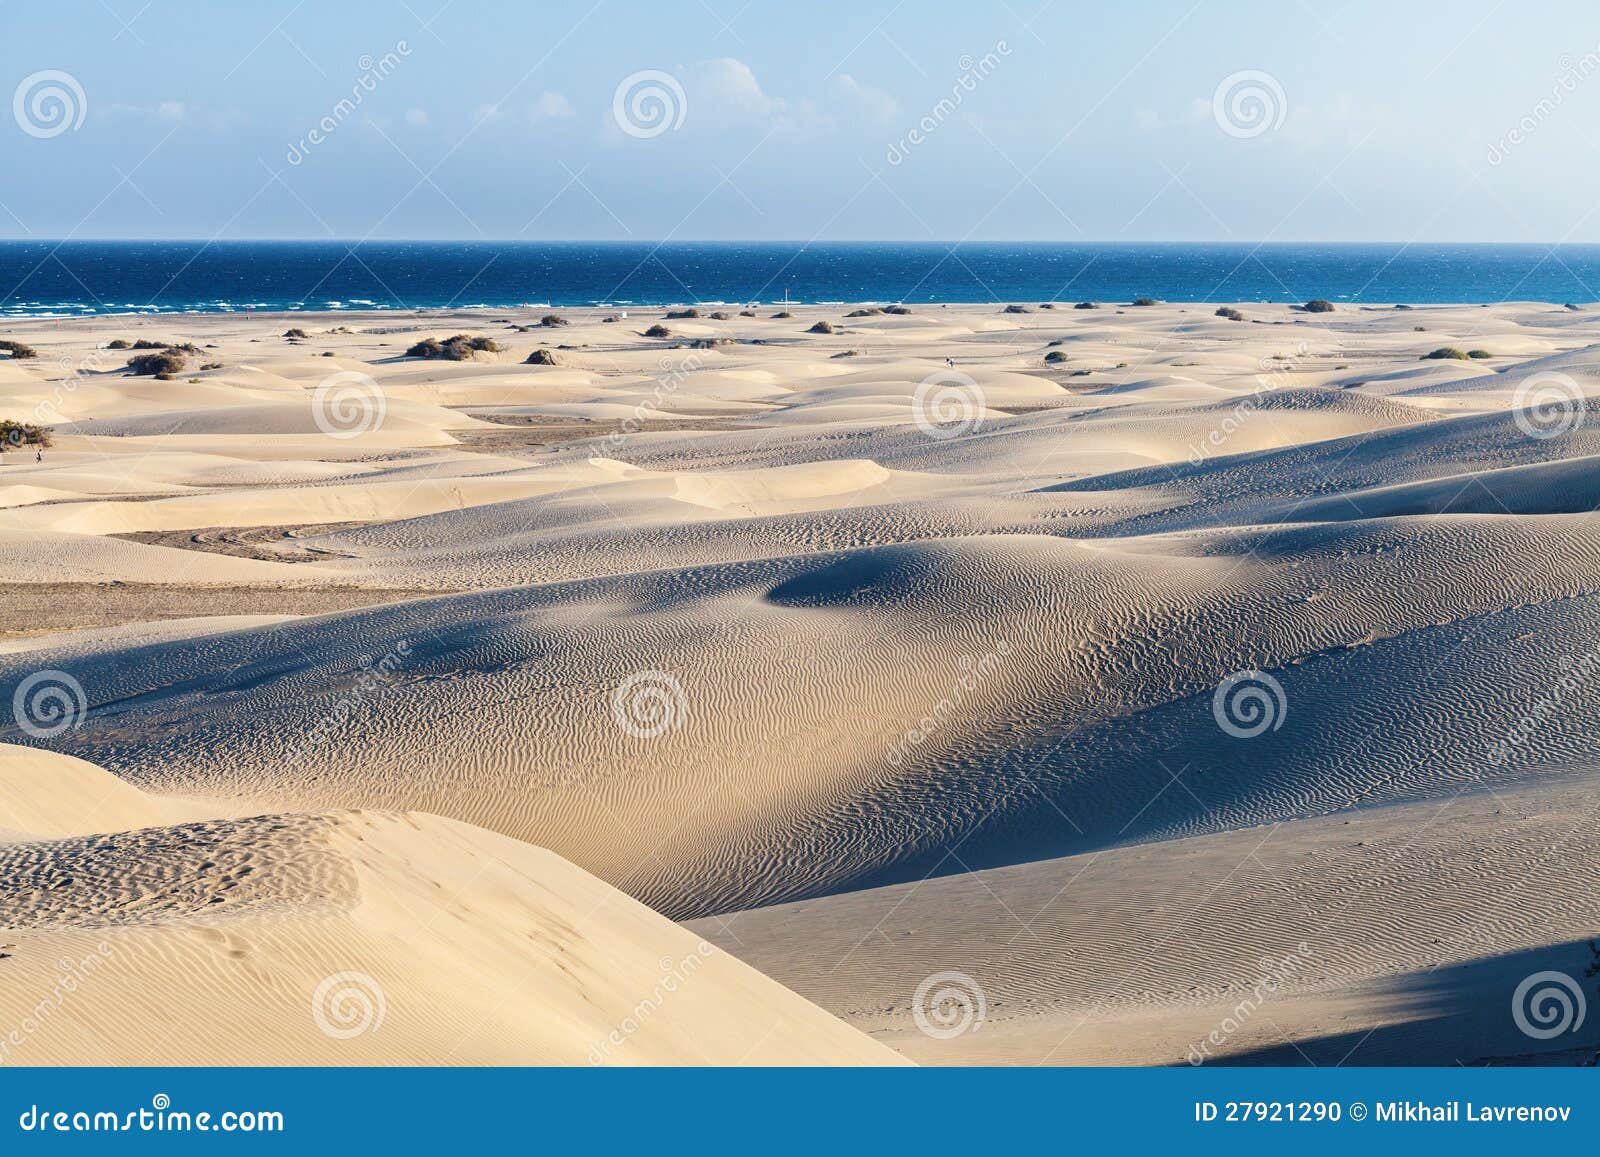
{"x": 17, "y": 350}
{"x": 1143, "y": 301}
{"x": 897, "y": 310}
{"x": 162, "y": 365}
{"x": 296, "y": 334}
{"x": 1016, "y": 309}
{"x": 14, "y": 433}
{"x": 1479, "y": 355}
{"x": 212, "y": 366}
{"x": 681, "y": 314}
{"x": 1444, "y": 352}
{"x": 658, "y": 330}
{"x": 747, "y": 313}
{"x": 119, "y": 344}
{"x": 612, "y": 320}
{"x": 1230, "y": 313}
{"x": 458, "y": 348}
{"x": 541, "y": 357}
{"x": 1087, "y": 305}
{"x": 781, "y": 314}
{"x": 721, "y": 315}
{"x": 821, "y": 327}
{"x": 864, "y": 313}
{"x": 1047, "y": 305}
{"x": 1054, "y": 357}
{"x": 847, "y": 354}
{"x": 1318, "y": 305}
{"x": 551, "y": 320}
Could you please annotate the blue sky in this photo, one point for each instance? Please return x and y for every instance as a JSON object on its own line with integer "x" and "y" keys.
{"x": 838, "y": 121}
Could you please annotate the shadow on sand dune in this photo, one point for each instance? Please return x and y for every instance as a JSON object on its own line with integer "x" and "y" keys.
{"x": 1463, "y": 1014}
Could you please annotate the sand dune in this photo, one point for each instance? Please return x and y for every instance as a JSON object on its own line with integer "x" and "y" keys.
{"x": 875, "y": 666}
{"x": 350, "y": 938}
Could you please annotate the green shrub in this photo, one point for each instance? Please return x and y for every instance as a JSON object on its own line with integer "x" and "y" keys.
{"x": 1318, "y": 305}
{"x": 681, "y": 314}
{"x": 161, "y": 365}
{"x": 1444, "y": 352}
{"x": 541, "y": 358}
{"x": 295, "y": 333}
{"x": 821, "y": 327}
{"x": 898, "y": 310}
{"x": 119, "y": 344}
{"x": 864, "y": 313}
{"x": 658, "y": 330}
{"x": 212, "y": 366}
{"x": 551, "y": 320}
{"x": 23, "y": 433}
{"x": 17, "y": 350}
{"x": 1016, "y": 309}
{"x": 1054, "y": 357}
{"x": 458, "y": 348}
{"x": 1230, "y": 313}
{"x": 1479, "y": 355}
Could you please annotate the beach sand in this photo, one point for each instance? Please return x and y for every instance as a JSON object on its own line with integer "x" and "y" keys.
{"x": 1211, "y": 691}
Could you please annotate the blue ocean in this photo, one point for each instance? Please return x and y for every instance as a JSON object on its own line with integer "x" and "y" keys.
{"x": 73, "y": 278}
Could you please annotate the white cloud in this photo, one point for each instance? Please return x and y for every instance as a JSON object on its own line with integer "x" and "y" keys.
{"x": 731, "y": 82}
{"x": 552, "y": 106}
{"x": 875, "y": 103}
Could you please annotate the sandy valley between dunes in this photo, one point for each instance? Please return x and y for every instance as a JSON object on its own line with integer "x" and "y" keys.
{"x": 1126, "y": 685}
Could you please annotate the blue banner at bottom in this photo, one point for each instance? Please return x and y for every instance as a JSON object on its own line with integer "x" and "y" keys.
{"x": 797, "y": 1110}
